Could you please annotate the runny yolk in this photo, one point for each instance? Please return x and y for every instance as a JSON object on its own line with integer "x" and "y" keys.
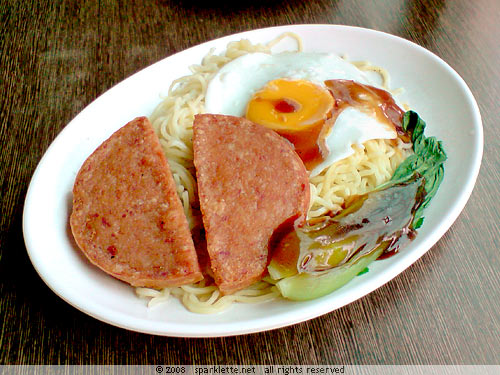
{"x": 297, "y": 110}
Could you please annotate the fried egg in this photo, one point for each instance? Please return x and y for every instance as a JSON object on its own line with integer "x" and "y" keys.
{"x": 288, "y": 93}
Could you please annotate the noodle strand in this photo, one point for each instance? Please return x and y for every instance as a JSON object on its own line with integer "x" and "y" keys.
{"x": 363, "y": 171}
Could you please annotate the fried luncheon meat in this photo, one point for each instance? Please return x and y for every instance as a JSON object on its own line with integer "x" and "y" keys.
{"x": 127, "y": 217}
{"x": 250, "y": 181}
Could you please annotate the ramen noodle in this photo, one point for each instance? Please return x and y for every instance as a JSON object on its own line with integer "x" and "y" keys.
{"x": 172, "y": 120}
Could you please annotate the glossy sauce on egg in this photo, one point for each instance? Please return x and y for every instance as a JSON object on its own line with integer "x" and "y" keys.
{"x": 305, "y": 113}
{"x": 371, "y": 100}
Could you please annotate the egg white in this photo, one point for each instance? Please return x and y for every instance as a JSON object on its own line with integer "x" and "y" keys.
{"x": 233, "y": 86}
{"x": 351, "y": 127}
{"x": 231, "y": 89}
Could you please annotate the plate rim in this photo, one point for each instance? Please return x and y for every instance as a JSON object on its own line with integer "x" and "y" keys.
{"x": 381, "y": 279}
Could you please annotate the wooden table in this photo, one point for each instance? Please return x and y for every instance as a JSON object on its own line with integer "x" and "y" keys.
{"x": 56, "y": 57}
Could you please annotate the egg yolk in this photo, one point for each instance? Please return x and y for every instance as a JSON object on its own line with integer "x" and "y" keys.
{"x": 296, "y": 109}
{"x": 290, "y": 105}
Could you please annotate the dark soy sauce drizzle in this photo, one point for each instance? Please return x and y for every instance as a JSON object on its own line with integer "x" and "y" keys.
{"x": 382, "y": 216}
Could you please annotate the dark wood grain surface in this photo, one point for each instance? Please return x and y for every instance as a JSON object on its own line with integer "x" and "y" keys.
{"x": 56, "y": 57}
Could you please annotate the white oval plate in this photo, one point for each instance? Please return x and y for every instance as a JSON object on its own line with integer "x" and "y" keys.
{"x": 433, "y": 89}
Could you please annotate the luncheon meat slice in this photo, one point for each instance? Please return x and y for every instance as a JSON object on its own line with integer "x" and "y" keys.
{"x": 127, "y": 218}
{"x": 250, "y": 181}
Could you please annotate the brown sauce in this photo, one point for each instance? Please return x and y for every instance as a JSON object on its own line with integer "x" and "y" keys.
{"x": 286, "y": 106}
{"x": 369, "y": 99}
{"x": 310, "y": 143}
{"x": 307, "y": 144}
{"x": 379, "y": 217}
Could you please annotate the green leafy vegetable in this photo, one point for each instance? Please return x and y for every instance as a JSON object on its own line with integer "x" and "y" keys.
{"x": 364, "y": 271}
{"x": 305, "y": 286}
{"x": 329, "y": 254}
{"x": 427, "y": 161}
